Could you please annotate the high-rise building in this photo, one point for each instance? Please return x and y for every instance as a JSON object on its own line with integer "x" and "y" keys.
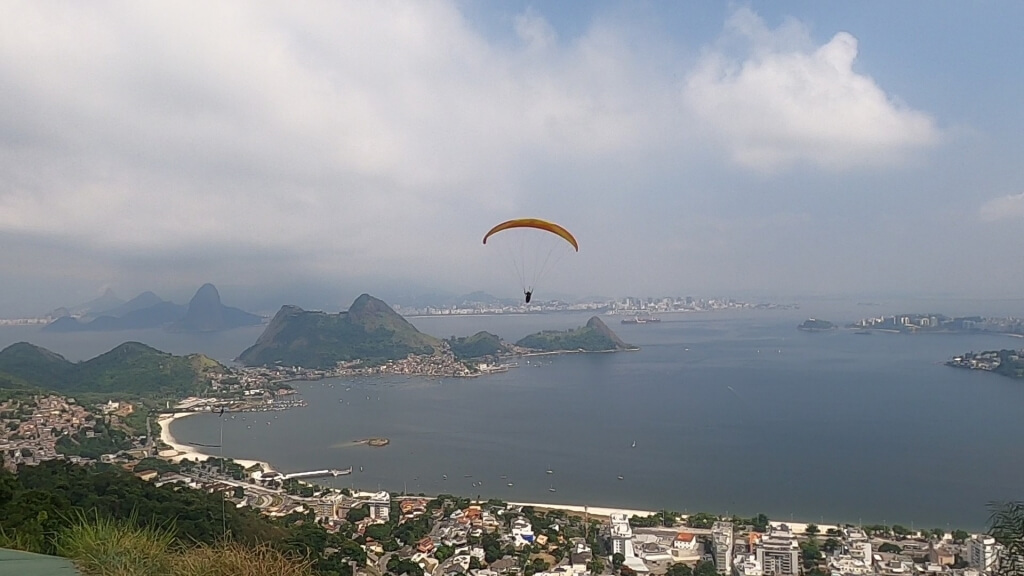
{"x": 721, "y": 545}
{"x": 778, "y": 552}
{"x": 984, "y": 553}
{"x": 380, "y": 506}
{"x": 621, "y": 536}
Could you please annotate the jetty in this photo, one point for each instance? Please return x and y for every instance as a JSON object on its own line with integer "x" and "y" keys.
{"x": 317, "y": 473}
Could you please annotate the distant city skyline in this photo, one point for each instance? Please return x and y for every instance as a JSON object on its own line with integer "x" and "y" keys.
{"x": 308, "y": 152}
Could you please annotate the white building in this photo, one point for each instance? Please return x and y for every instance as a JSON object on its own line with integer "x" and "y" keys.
{"x": 622, "y": 536}
{"x": 983, "y": 553}
{"x": 778, "y": 552}
{"x": 380, "y": 506}
{"x": 721, "y": 545}
{"x": 685, "y": 548}
{"x": 747, "y": 565}
{"x": 522, "y": 532}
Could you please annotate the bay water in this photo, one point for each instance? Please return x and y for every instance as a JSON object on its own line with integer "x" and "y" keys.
{"x": 730, "y": 412}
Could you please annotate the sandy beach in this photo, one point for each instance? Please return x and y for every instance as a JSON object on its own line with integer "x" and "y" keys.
{"x": 592, "y": 510}
{"x": 184, "y": 451}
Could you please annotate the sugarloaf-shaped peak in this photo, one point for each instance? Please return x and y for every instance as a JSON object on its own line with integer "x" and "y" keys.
{"x": 206, "y": 313}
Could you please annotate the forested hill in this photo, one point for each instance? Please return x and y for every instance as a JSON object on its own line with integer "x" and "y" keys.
{"x": 131, "y": 368}
{"x": 369, "y": 331}
{"x": 595, "y": 336}
{"x": 39, "y": 503}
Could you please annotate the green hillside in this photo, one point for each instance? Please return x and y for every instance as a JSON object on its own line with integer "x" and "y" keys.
{"x": 478, "y": 345}
{"x": 595, "y": 336}
{"x": 131, "y": 368}
{"x": 369, "y": 331}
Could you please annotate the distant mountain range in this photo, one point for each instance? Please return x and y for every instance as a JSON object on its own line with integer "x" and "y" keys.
{"x": 204, "y": 313}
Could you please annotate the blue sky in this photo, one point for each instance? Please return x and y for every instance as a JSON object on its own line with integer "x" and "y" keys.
{"x": 306, "y": 152}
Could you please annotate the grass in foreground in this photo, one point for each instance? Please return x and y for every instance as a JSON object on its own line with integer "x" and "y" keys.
{"x": 105, "y": 547}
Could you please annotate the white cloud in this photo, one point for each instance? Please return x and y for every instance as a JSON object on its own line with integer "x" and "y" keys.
{"x": 1010, "y": 207}
{"x": 339, "y": 139}
{"x": 785, "y": 102}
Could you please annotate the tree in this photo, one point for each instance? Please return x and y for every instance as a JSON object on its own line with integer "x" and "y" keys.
{"x": 938, "y": 533}
{"x": 960, "y": 536}
{"x": 889, "y": 547}
{"x": 443, "y": 553}
{"x": 356, "y": 514}
{"x": 810, "y": 552}
{"x": 900, "y": 531}
{"x": 595, "y": 566}
{"x": 811, "y": 530}
{"x": 701, "y": 520}
{"x": 760, "y": 523}
{"x": 705, "y": 569}
{"x": 1006, "y": 525}
{"x": 830, "y": 545}
{"x": 617, "y": 560}
{"x": 679, "y": 569}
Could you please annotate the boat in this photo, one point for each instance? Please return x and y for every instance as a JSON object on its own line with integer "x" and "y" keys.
{"x": 444, "y": 476}
{"x": 552, "y": 489}
{"x": 641, "y": 320}
{"x": 509, "y": 484}
{"x": 634, "y": 444}
{"x": 620, "y": 477}
{"x": 550, "y": 471}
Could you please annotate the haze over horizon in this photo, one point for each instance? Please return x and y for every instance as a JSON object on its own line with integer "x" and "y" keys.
{"x": 307, "y": 152}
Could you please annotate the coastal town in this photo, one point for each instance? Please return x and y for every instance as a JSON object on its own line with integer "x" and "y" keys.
{"x": 628, "y": 306}
{"x": 447, "y": 535}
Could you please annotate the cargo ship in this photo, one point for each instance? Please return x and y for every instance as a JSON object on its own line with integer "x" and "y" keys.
{"x": 639, "y": 320}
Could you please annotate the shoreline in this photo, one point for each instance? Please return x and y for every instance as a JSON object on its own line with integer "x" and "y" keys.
{"x": 188, "y": 452}
{"x": 185, "y": 451}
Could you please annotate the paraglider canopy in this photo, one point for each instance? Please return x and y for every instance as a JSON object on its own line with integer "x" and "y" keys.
{"x": 533, "y": 246}
{"x": 534, "y": 223}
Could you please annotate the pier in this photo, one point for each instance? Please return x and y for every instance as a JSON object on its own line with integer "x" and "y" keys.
{"x": 317, "y": 473}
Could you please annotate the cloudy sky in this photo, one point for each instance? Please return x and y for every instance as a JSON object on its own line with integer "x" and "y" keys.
{"x": 308, "y": 151}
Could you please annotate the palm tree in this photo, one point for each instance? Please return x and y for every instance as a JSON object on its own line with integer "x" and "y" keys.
{"x": 1006, "y": 525}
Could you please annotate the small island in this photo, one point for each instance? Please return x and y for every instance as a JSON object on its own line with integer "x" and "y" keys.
{"x": 816, "y": 325}
{"x": 374, "y": 442}
{"x": 595, "y": 336}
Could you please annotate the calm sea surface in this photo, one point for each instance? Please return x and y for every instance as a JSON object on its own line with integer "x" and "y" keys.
{"x": 730, "y": 412}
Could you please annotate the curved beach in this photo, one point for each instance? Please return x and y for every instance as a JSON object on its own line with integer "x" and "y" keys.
{"x": 187, "y": 452}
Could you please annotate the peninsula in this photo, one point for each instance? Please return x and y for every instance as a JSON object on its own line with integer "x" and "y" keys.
{"x": 371, "y": 338}
{"x": 1008, "y": 363}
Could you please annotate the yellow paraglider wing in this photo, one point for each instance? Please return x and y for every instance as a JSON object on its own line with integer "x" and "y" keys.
{"x": 534, "y": 223}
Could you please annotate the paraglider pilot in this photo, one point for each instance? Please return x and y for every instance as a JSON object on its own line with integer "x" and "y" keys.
{"x": 529, "y": 294}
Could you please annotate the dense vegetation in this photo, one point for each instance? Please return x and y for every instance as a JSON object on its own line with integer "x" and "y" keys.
{"x": 131, "y": 368}
{"x": 370, "y": 331}
{"x": 594, "y": 337}
{"x": 39, "y": 503}
{"x": 479, "y": 345}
